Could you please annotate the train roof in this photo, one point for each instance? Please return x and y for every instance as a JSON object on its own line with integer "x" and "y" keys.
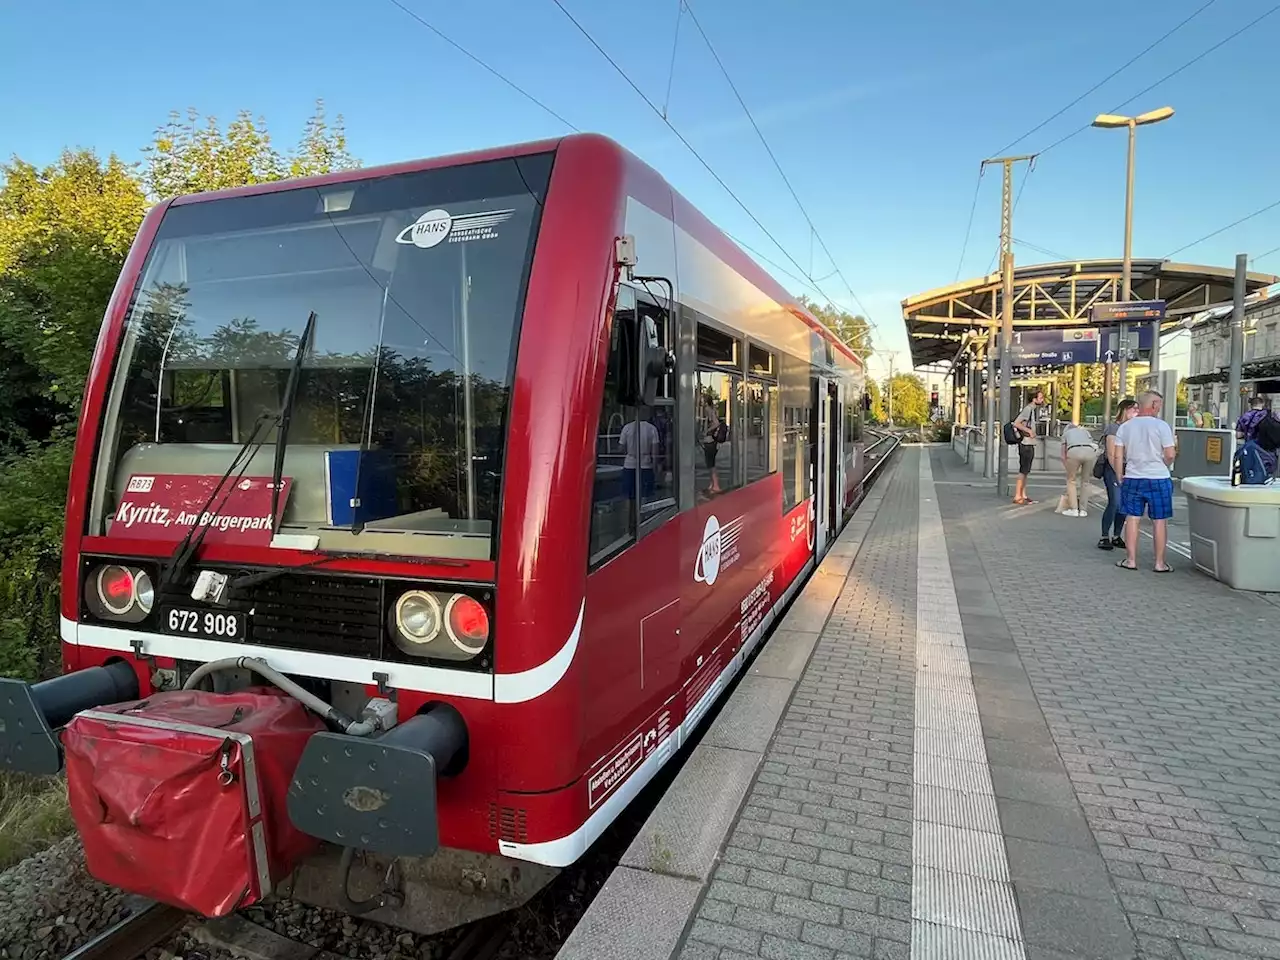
{"x": 703, "y": 228}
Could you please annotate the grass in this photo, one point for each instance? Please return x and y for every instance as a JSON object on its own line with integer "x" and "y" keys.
{"x": 33, "y": 815}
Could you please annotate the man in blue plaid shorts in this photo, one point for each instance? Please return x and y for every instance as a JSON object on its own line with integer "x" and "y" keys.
{"x": 1142, "y": 453}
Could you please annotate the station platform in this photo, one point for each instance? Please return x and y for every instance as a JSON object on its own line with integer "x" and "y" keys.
{"x": 973, "y": 737}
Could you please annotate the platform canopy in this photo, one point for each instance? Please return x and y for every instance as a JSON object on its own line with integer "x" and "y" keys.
{"x": 944, "y": 323}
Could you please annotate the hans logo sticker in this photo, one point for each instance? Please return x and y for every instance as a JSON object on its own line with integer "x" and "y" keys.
{"x": 435, "y": 226}
{"x": 719, "y": 549}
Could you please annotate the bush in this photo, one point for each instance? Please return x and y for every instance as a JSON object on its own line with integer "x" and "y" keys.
{"x": 33, "y": 489}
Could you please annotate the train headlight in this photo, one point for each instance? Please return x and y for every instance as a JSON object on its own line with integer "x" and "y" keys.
{"x": 114, "y": 591}
{"x": 440, "y": 626}
{"x": 418, "y": 620}
{"x": 143, "y": 591}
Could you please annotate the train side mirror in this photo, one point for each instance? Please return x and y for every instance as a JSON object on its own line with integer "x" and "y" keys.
{"x": 644, "y": 360}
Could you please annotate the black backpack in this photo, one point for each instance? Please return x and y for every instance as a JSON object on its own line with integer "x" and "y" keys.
{"x": 1268, "y": 433}
{"x": 1011, "y": 435}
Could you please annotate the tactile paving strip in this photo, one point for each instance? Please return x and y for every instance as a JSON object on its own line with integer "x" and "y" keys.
{"x": 941, "y": 942}
{"x": 962, "y": 901}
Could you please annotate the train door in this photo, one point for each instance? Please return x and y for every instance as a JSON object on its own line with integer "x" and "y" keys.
{"x": 835, "y": 462}
{"x": 819, "y": 462}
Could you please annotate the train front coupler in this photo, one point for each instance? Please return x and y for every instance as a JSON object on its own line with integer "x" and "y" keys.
{"x": 32, "y": 713}
{"x": 378, "y": 793}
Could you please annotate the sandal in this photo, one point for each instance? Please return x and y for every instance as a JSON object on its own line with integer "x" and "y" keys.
{"x": 1106, "y": 544}
{"x": 1124, "y": 565}
{"x": 1167, "y": 569}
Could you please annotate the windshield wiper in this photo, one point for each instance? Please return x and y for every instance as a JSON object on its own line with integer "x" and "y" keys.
{"x": 286, "y": 415}
{"x": 176, "y": 566}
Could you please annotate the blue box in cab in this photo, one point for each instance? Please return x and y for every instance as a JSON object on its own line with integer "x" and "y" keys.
{"x": 374, "y": 473}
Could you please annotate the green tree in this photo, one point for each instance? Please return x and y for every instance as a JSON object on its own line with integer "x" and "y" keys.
{"x": 323, "y": 147}
{"x": 64, "y": 232}
{"x": 852, "y": 328}
{"x": 876, "y": 413}
{"x": 910, "y": 400}
{"x": 195, "y": 155}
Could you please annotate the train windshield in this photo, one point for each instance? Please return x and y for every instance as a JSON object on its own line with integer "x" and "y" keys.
{"x": 397, "y": 418}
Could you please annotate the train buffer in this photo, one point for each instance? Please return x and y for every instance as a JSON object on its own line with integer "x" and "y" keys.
{"x": 974, "y": 737}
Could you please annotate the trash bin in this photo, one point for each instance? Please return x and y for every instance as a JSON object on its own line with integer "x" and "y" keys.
{"x": 1235, "y": 531}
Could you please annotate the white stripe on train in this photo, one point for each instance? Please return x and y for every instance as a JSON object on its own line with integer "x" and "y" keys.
{"x": 504, "y": 687}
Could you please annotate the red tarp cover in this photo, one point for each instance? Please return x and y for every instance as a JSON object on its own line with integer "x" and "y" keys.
{"x": 161, "y": 795}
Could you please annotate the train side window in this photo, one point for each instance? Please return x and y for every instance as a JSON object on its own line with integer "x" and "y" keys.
{"x": 761, "y": 429}
{"x": 650, "y": 447}
{"x": 614, "y": 494}
{"x": 852, "y": 421}
{"x": 797, "y": 404}
{"x": 716, "y": 468}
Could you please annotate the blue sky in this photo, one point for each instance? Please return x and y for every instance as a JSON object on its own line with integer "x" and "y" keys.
{"x": 879, "y": 113}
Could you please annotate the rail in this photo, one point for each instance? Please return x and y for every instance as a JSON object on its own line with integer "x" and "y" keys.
{"x": 133, "y": 936}
{"x": 893, "y": 444}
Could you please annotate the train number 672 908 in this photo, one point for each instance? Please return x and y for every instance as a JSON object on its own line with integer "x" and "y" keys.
{"x": 213, "y": 624}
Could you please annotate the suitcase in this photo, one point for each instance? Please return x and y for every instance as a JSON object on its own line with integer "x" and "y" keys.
{"x": 181, "y": 797}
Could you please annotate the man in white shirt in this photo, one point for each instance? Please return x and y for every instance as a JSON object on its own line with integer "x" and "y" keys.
{"x": 1141, "y": 454}
{"x": 640, "y": 443}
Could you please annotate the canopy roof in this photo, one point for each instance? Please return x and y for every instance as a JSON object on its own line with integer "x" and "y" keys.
{"x": 941, "y": 323}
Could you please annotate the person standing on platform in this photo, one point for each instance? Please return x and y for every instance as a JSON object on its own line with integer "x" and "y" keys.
{"x": 1112, "y": 517}
{"x": 1025, "y": 424}
{"x": 1142, "y": 452}
{"x": 1079, "y": 454}
{"x": 1247, "y": 429}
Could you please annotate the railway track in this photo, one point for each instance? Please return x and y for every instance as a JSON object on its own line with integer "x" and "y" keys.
{"x": 134, "y": 935}
{"x": 483, "y": 940}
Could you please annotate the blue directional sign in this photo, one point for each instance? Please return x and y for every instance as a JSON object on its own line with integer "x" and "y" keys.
{"x": 1042, "y": 347}
{"x": 1054, "y": 348}
{"x": 1131, "y": 311}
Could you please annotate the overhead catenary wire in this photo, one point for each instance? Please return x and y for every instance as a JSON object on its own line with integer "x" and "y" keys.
{"x": 1264, "y": 254}
{"x": 968, "y": 230}
{"x": 547, "y": 109}
{"x": 474, "y": 59}
{"x": 814, "y": 233}
{"x": 1111, "y": 76}
{"x": 1053, "y": 116}
{"x": 1170, "y": 75}
{"x": 675, "y": 46}
{"x": 693, "y": 150}
{"x": 1233, "y": 223}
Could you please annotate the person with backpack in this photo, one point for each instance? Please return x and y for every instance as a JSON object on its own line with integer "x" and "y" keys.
{"x": 1024, "y": 430}
{"x": 1259, "y": 425}
{"x": 1142, "y": 452}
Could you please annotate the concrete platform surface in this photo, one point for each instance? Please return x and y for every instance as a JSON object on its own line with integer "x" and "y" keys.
{"x": 992, "y": 744}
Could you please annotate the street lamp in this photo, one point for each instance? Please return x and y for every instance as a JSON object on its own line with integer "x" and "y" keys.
{"x": 1107, "y": 121}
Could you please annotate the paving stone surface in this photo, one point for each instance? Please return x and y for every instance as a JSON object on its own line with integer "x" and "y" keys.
{"x": 819, "y": 863}
{"x": 1161, "y": 699}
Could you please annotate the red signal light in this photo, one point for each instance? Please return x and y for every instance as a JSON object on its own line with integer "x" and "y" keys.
{"x": 115, "y": 585}
{"x": 468, "y": 622}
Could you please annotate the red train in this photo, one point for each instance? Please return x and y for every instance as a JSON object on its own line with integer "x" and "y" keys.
{"x": 497, "y": 465}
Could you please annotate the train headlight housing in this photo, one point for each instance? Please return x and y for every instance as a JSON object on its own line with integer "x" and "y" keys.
{"x": 114, "y": 591}
{"x": 417, "y": 622}
{"x": 439, "y": 626}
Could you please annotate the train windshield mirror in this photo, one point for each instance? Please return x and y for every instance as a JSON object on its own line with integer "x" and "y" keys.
{"x": 417, "y": 282}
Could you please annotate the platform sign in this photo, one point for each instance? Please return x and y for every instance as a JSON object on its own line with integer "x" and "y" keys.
{"x": 1055, "y": 348}
{"x": 1129, "y": 311}
{"x": 1138, "y": 339}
